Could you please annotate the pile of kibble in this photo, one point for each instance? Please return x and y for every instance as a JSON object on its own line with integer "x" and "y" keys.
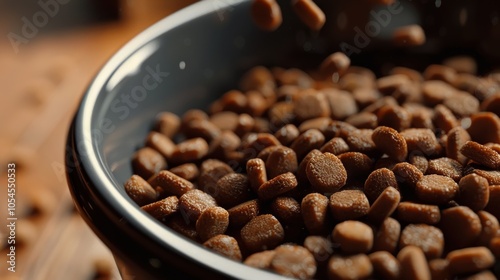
{"x": 388, "y": 178}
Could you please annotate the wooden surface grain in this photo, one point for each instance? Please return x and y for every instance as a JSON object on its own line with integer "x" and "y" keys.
{"x": 41, "y": 88}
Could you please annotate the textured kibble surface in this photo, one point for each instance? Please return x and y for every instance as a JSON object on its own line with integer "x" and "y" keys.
{"x": 337, "y": 171}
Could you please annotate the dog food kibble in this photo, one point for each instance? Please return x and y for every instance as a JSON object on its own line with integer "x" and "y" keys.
{"x": 428, "y": 238}
{"x": 466, "y": 220}
{"x": 385, "y": 265}
{"x": 473, "y": 259}
{"x": 349, "y": 267}
{"x": 266, "y": 14}
{"x": 411, "y": 35}
{"x": 348, "y": 205}
{"x": 390, "y": 142}
{"x": 384, "y": 205}
{"x": 315, "y": 213}
{"x": 213, "y": 221}
{"x": 474, "y": 192}
{"x": 224, "y": 245}
{"x": 353, "y": 237}
{"x": 413, "y": 264}
{"x": 335, "y": 173}
{"x": 436, "y": 189}
{"x": 140, "y": 191}
{"x": 309, "y": 13}
{"x": 326, "y": 173}
{"x": 162, "y": 208}
{"x": 293, "y": 261}
{"x": 481, "y": 154}
{"x": 262, "y": 233}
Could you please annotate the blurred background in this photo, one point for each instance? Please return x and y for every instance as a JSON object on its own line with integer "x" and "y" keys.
{"x": 49, "y": 52}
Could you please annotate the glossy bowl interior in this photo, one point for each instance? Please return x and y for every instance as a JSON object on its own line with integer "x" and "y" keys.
{"x": 189, "y": 59}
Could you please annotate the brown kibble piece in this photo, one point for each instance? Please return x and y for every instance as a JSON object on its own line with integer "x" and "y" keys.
{"x": 213, "y": 221}
{"x": 418, "y": 160}
{"x": 256, "y": 172}
{"x": 294, "y": 261}
{"x": 326, "y": 173}
{"x": 320, "y": 124}
{"x": 226, "y": 143}
{"x": 484, "y": 128}
{"x": 440, "y": 72}
{"x": 309, "y": 13}
{"x": 357, "y": 165}
{"x": 494, "y": 201}
{"x": 363, "y": 120}
{"x": 321, "y": 247}
{"x": 171, "y": 183}
{"x": 462, "y": 64}
{"x": 310, "y": 105}
{"x": 224, "y": 245}
{"x": 180, "y": 224}
{"x": 161, "y": 143}
{"x": 336, "y": 63}
{"x": 395, "y": 117}
{"x": 307, "y": 141}
{"x": 491, "y": 104}
{"x": 365, "y": 96}
{"x": 301, "y": 172}
{"x": 314, "y": 208}
{"x": 168, "y": 124}
{"x": 411, "y": 35}
{"x": 463, "y": 218}
{"x": 211, "y": 170}
{"x": 428, "y": 238}
{"x": 436, "y": 189}
{"x": 232, "y": 189}
{"x": 470, "y": 260}
{"x": 140, "y": 191}
{"x": 444, "y": 118}
{"x": 287, "y": 210}
{"x": 413, "y": 264}
{"x": 489, "y": 228}
{"x": 495, "y": 246}
{"x": 201, "y": 128}
{"x": 445, "y": 166}
{"x": 193, "y": 203}
{"x": 193, "y": 114}
{"x": 384, "y": 205}
{"x": 260, "y": 260}
{"x": 481, "y": 154}
{"x": 281, "y": 160}
{"x": 421, "y": 139}
{"x": 474, "y": 192}
{"x": 483, "y": 275}
{"x": 281, "y": 113}
{"x": 378, "y": 181}
{"x": 439, "y": 269}
{"x": 387, "y": 236}
{"x": 385, "y": 265}
{"x": 335, "y": 146}
{"x": 342, "y": 103}
{"x": 259, "y": 142}
{"x": 462, "y": 104}
{"x": 435, "y": 92}
{"x": 350, "y": 267}
{"x": 348, "y": 205}
{"x": 266, "y": 14}
{"x": 287, "y": 134}
{"x": 457, "y": 137}
{"x": 190, "y": 150}
{"x": 390, "y": 142}
{"x": 188, "y": 171}
{"x": 147, "y": 161}
{"x": 353, "y": 237}
{"x": 241, "y": 214}
{"x": 360, "y": 140}
{"x": 414, "y": 75}
{"x": 389, "y": 84}
{"x": 407, "y": 174}
{"x": 262, "y": 233}
{"x": 415, "y": 213}
{"x": 162, "y": 208}
{"x": 277, "y": 186}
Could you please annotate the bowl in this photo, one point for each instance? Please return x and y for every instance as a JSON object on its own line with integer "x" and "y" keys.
{"x": 192, "y": 57}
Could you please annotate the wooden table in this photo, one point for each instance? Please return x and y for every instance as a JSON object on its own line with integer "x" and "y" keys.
{"x": 41, "y": 89}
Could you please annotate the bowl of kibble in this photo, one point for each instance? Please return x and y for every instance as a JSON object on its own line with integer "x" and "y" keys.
{"x": 272, "y": 139}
